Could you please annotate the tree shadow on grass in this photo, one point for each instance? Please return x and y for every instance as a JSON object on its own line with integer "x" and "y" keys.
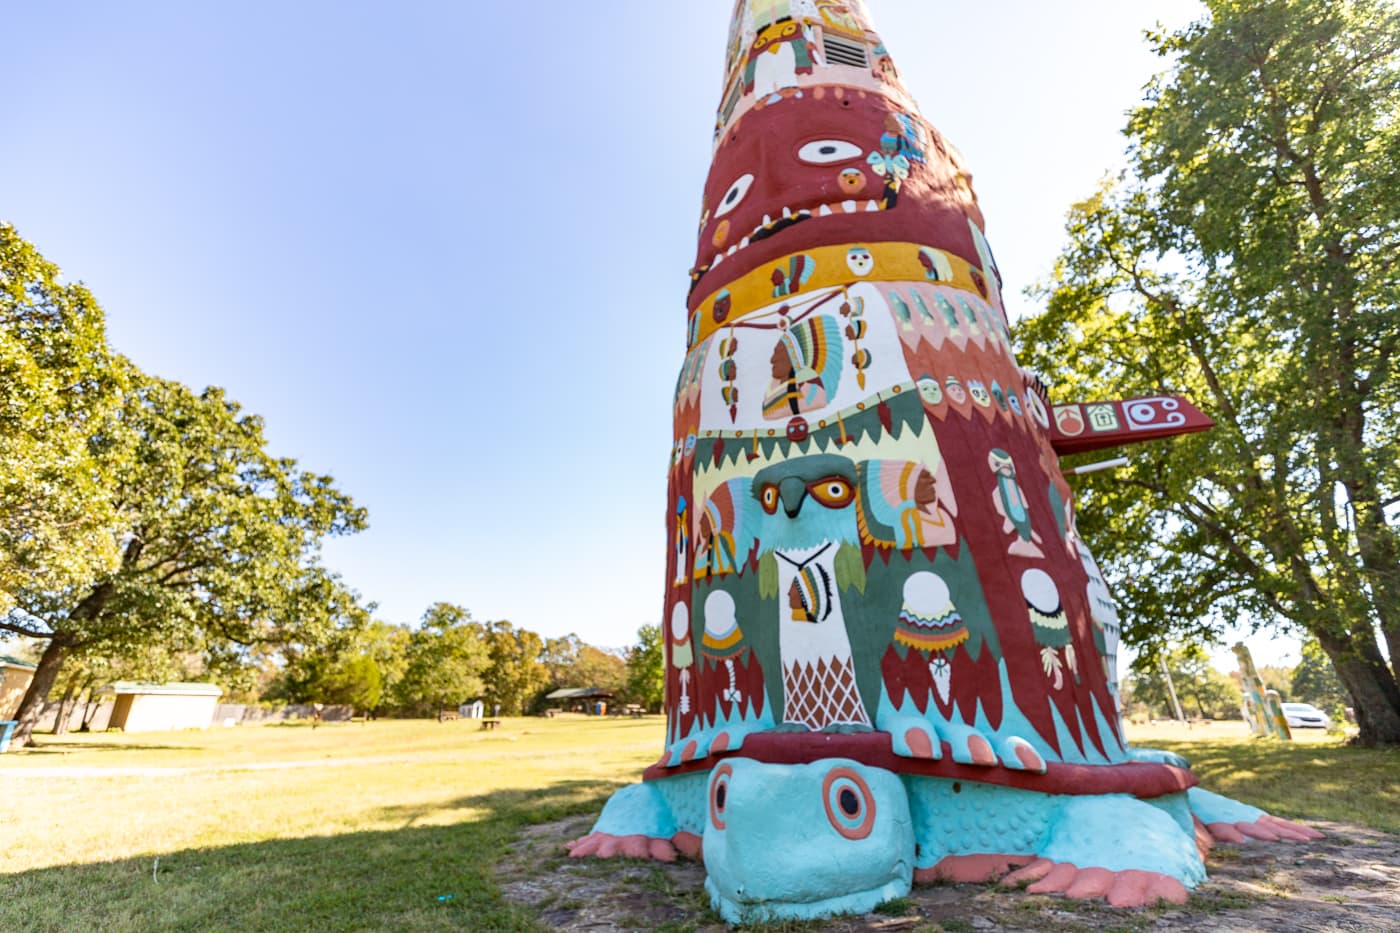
{"x": 67, "y": 747}
{"x": 502, "y": 801}
{"x": 415, "y": 878}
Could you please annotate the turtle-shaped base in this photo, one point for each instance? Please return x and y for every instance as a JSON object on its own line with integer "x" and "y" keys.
{"x": 787, "y": 832}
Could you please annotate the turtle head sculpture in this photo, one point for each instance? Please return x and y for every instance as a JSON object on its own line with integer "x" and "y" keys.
{"x": 860, "y": 814}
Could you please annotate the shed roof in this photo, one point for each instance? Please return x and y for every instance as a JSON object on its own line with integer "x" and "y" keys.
{"x": 8, "y": 661}
{"x": 134, "y": 686}
{"x": 579, "y": 693}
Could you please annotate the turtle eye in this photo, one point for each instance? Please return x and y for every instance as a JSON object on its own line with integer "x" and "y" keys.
{"x": 769, "y": 499}
{"x": 850, "y": 806}
{"x": 834, "y": 492}
{"x": 719, "y": 794}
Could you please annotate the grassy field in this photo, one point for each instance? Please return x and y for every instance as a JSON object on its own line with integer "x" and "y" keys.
{"x": 1314, "y": 777}
{"x": 398, "y": 824}
{"x": 385, "y": 825}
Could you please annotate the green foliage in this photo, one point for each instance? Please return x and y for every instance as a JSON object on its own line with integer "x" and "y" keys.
{"x": 359, "y": 667}
{"x": 445, "y": 660}
{"x": 1277, "y": 679}
{"x": 1204, "y": 692}
{"x": 219, "y": 540}
{"x": 570, "y": 662}
{"x": 136, "y": 514}
{"x": 58, "y": 386}
{"x": 516, "y": 674}
{"x": 1249, "y": 261}
{"x": 1315, "y": 681}
{"x": 646, "y": 668}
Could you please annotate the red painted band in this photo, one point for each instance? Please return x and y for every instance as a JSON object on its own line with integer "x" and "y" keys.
{"x": 1141, "y": 779}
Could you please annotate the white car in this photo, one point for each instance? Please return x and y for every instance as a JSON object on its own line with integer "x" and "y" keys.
{"x": 1305, "y": 716}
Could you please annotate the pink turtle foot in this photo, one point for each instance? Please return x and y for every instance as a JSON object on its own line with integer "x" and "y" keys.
{"x": 1130, "y": 888}
{"x": 606, "y": 845}
{"x": 1267, "y": 828}
{"x": 970, "y": 869}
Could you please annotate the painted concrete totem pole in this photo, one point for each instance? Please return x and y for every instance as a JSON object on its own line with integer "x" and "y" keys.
{"x": 889, "y": 654}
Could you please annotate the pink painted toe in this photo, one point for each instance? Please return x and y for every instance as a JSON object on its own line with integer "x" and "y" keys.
{"x": 1166, "y": 888}
{"x": 1204, "y": 840}
{"x": 1257, "y": 831}
{"x": 1030, "y": 873}
{"x": 634, "y": 847}
{"x": 1129, "y": 889}
{"x": 1090, "y": 883}
{"x": 981, "y": 751}
{"x": 585, "y": 847}
{"x": 1059, "y": 878}
{"x": 609, "y": 847}
{"x": 1288, "y": 834}
{"x": 661, "y": 850}
{"x": 687, "y": 844}
{"x": 721, "y": 743}
{"x": 970, "y": 869}
{"x": 918, "y": 742}
{"x": 1290, "y": 828}
{"x": 688, "y": 752}
{"x": 1225, "y": 832}
{"x": 1030, "y": 759}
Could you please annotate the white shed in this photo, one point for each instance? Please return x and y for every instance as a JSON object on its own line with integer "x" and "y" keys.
{"x": 473, "y": 710}
{"x": 15, "y": 676}
{"x": 142, "y": 707}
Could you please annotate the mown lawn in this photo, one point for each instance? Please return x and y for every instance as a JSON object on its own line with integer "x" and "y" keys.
{"x": 1315, "y": 776}
{"x": 398, "y": 825}
{"x": 385, "y": 825}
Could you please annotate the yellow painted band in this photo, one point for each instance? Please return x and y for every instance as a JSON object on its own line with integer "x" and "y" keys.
{"x": 894, "y": 262}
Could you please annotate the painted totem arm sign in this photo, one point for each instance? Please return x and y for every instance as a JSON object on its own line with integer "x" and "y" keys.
{"x": 1080, "y": 427}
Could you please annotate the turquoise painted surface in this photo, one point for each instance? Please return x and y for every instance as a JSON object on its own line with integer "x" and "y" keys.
{"x": 799, "y": 842}
{"x": 805, "y": 841}
{"x": 1213, "y": 808}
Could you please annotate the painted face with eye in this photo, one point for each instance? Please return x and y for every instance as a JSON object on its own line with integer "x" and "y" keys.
{"x": 797, "y": 174}
{"x": 930, "y": 391}
{"x": 859, "y": 261}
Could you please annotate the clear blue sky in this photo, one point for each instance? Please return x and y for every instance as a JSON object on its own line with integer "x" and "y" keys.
{"x": 443, "y": 252}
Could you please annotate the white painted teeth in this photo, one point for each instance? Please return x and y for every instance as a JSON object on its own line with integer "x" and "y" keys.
{"x": 823, "y": 210}
{"x": 871, "y": 206}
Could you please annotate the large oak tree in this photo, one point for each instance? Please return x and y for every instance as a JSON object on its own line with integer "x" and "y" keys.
{"x": 218, "y": 541}
{"x": 1249, "y": 259}
{"x": 58, "y": 386}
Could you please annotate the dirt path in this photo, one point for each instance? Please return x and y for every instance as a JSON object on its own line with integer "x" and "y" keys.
{"x": 101, "y": 772}
{"x": 1349, "y": 881}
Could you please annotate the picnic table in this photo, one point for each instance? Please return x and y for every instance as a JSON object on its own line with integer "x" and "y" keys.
{"x": 490, "y": 723}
